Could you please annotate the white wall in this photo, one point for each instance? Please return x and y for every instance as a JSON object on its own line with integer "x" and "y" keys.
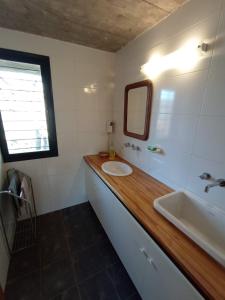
{"x": 80, "y": 117}
{"x": 4, "y": 254}
{"x": 190, "y": 128}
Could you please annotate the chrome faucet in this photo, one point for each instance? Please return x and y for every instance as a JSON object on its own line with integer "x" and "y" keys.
{"x": 205, "y": 176}
{"x": 217, "y": 182}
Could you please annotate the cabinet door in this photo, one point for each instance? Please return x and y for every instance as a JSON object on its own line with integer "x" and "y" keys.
{"x": 123, "y": 239}
{"x": 162, "y": 280}
{"x": 92, "y": 193}
{"x": 133, "y": 248}
{"x": 100, "y": 198}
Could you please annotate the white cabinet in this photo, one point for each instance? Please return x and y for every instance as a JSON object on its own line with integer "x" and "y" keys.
{"x": 100, "y": 198}
{"x": 153, "y": 273}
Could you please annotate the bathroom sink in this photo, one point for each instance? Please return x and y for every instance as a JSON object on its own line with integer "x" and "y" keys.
{"x": 116, "y": 168}
{"x": 200, "y": 221}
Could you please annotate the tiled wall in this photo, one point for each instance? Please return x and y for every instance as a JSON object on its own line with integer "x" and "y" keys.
{"x": 4, "y": 255}
{"x": 190, "y": 128}
{"x": 82, "y": 87}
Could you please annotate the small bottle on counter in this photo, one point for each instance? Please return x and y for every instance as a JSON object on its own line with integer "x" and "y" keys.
{"x": 112, "y": 152}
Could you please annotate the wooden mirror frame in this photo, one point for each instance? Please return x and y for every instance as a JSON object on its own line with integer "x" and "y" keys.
{"x": 144, "y": 83}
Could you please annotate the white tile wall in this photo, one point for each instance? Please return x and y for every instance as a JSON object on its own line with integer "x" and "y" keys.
{"x": 189, "y": 124}
{"x": 4, "y": 254}
{"x": 80, "y": 117}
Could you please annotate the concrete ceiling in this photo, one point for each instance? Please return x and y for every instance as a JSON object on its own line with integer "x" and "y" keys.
{"x": 102, "y": 24}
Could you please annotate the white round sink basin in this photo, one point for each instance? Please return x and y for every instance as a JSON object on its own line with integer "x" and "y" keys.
{"x": 116, "y": 168}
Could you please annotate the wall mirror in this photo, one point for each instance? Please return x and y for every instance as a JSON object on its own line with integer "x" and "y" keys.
{"x": 137, "y": 109}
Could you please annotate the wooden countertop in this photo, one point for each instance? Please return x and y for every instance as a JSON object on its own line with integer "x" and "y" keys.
{"x": 137, "y": 192}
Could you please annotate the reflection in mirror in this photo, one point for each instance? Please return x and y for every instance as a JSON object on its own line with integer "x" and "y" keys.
{"x": 137, "y": 109}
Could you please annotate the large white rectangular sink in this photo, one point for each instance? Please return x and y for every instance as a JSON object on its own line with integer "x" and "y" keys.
{"x": 200, "y": 221}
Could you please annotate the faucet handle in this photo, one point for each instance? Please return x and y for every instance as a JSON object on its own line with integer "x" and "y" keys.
{"x": 137, "y": 148}
{"x": 205, "y": 176}
{"x": 217, "y": 182}
{"x": 221, "y": 182}
{"x": 127, "y": 145}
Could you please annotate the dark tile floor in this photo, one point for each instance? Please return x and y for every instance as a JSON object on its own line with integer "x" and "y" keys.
{"x": 73, "y": 259}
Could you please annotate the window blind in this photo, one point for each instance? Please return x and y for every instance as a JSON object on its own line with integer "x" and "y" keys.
{"x": 22, "y": 107}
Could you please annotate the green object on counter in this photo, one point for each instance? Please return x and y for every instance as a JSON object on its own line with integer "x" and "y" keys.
{"x": 153, "y": 148}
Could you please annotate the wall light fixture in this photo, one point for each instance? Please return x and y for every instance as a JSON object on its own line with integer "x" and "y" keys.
{"x": 183, "y": 59}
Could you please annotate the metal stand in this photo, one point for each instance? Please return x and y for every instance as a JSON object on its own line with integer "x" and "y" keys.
{"x": 25, "y": 231}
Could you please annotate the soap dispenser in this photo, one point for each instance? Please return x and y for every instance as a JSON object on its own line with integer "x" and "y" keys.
{"x": 109, "y": 129}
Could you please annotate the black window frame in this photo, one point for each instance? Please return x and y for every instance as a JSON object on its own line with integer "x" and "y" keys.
{"x": 44, "y": 62}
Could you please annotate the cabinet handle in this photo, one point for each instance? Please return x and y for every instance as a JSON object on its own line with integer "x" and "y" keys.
{"x": 143, "y": 251}
{"x": 149, "y": 259}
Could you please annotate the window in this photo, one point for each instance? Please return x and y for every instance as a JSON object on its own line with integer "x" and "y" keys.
{"x": 27, "y": 121}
